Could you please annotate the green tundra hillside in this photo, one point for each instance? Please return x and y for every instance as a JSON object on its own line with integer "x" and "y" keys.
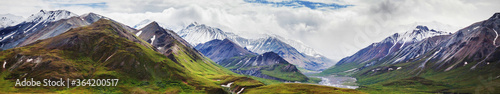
{"x": 105, "y": 50}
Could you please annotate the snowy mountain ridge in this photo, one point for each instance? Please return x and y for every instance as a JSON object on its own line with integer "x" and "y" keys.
{"x": 418, "y": 34}
{"x": 142, "y": 24}
{"x": 200, "y": 33}
{"x": 300, "y": 46}
{"x": 216, "y": 33}
{"x": 196, "y": 33}
{"x": 42, "y": 25}
{"x": 9, "y": 20}
{"x": 50, "y": 16}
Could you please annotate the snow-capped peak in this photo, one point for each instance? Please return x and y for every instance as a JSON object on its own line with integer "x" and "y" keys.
{"x": 415, "y": 35}
{"x": 50, "y": 16}
{"x": 193, "y": 24}
{"x": 301, "y": 47}
{"x": 142, "y": 24}
{"x": 91, "y": 17}
{"x": 146, "y": 22}
{"x": 9, "y": 20}
{"x": 92, "y": 14}
{"x": 420, "y": 27}
{"x": 201, "y": 26}
{"x": 199, "y": 33}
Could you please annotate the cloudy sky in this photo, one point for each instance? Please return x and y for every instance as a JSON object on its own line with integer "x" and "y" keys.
{"x": 335, "y": 28}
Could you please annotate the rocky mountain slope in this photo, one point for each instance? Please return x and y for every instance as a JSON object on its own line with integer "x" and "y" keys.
{"x": 388, "y": 46}
{"x": 268, "y": 65}
{"x": 42, "y": 25}
{"x": 239, "y": 60}
{"x": 166, "y": 41}
{"x": 218, "y": 50}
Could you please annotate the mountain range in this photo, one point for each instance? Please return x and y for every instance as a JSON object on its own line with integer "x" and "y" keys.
{"x": 199, "y": 33}
{"x": 42, "y": 25}
{"x": 242, "y": 61}
{"x": 108, "y": 49}
{"x": 391, "y": 45}
{"x": 452, "y": 62}
{"x": 62, "y": 45}
{"x": 201, "y": 59}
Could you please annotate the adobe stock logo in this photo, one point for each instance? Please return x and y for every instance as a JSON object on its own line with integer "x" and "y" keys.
{"x": 67, "y": 83}
{"x": 46, "y": 82}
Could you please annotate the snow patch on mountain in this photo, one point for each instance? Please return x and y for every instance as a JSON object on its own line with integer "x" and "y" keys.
{"x": 7, "y": 36}
{"x": 153, "y": 39}
{"x": 138, "y": 33}
{"x": 495, "y": 40}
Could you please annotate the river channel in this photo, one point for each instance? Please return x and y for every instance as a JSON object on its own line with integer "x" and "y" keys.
{"x": 338, "y": 81}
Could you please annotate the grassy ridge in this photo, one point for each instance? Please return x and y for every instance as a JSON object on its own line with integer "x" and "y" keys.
{"x": 276, "y": 71}
{"x": 98, "y": 51}
{"x": 459, "y": 80}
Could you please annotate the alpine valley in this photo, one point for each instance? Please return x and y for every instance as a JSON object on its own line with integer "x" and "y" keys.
{"x": 60, "y": 44}
{"x": 424, "y": 60}
{"x": 268, "y": 65}
{"x": 197, "y": 58}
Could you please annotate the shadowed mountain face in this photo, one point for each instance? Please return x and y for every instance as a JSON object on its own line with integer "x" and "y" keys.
{"x": 217, "y": 50}
{"x": 459, "y": 58}
{"x": 239, "y": 60}
{"x": 168, "y": 43}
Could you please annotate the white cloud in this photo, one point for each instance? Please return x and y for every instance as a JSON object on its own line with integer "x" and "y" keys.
{"x": 334, "y": 33}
